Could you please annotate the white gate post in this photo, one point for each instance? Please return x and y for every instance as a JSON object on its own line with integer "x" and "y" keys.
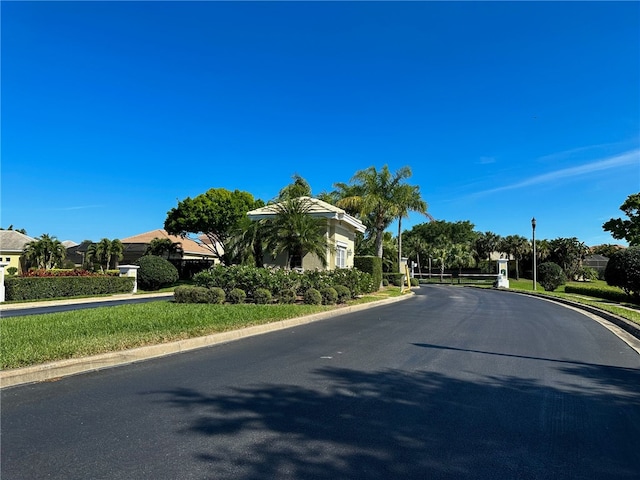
{"x": 130, "y": 271}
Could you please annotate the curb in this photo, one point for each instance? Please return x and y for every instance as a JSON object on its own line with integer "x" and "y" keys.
{"x": 56, "y": 303}
{"x": 64, "y": 368}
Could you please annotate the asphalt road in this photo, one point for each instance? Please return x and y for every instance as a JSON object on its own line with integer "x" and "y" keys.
{"x": 454, "y": 383}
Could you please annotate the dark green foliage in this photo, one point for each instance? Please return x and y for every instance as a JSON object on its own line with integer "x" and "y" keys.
{"x": 287, "y": 295}
{"x": 608, "y": 293}
{"x": 217, "y": 295}
{"x": 623, "y": 271}
{"x": 627, "y": 229}
{"x": 371, "y": 265}
{"x": 329, "y": 296}
{"x": 415, "y": 282}
{"x": 312, "y": 297}
{"x": 12, "y": 271}
{"x": 190, "y": 294}
{"x": 385, "y": 282}
{"x": 356, "y": 280}
{"x": 262, "y": 296}
{"x": 155, "y": 272}
{"x": 344, "y": 294}
{"x": 32, "y": 288}
{"x": 394, "y": 278}
{"x": 237, "y": 295}
{"x": 551, "y": 276}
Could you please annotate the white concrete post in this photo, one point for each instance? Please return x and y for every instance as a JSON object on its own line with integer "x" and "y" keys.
{"x": 130, "y": 271}
{"x": 2, "y": 267}
{"x": 503, "y": 273}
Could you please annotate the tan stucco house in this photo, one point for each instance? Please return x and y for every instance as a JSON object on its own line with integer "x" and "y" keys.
{"x": 12, "y": 244}
{"x": 136, "y": 245}
{"x": 341, "y": 234}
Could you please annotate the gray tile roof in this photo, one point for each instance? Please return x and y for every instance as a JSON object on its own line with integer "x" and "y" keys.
{"x": 12, "y": 241}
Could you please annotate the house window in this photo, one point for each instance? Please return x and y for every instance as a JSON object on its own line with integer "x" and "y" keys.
{"x": 341, "y": 256}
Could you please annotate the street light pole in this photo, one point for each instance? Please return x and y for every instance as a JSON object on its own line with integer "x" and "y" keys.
{"x": 533, "y": 230}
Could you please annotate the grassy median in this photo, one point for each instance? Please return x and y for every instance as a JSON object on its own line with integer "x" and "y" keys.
{"x": 37, "y": 339}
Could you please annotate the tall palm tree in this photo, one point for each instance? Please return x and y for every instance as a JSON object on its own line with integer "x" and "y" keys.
{"x": 407, "y": 199}
{"x": 440, "y": 252}
{"x": 486, "y": 244}
{"x": 45, "y": 252}
{"x": 294, "y": 231}
{"x": 373, "y": 195}
{"x": 163, "y": 246}
{"x": 460, "y": 256}
{"x": 104, "y": 252}
{"x": 515, "y": 246}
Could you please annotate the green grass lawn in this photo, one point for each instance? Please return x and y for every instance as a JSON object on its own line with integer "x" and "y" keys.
{"x": 36, "y": 339}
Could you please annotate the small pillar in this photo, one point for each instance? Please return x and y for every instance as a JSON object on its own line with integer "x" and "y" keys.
{"x": 130, "y": 271}
{"x": 3, "y": 265}
{"x": 503, "y": 273}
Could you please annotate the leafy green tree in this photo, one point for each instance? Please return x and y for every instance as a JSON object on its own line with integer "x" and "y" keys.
{"x": 606, "y": 250}
{"x": 551, "y": 276}
{"x": 44, "y": 252}
{"x": 455, "y": 232}
{"x": 486, "y": 243}
{"x": 569, "y": 254}
{"x": 294, "y": 231}
{"x": 373, "y": 196}
{"x": 163, "y": 247}
{"x": 628, "y": 230}
{"x": 460, "y": 255}
{"x": 623, "y": 271}
{"x": 215, "y": 214}
{"x": 299, "y": 188}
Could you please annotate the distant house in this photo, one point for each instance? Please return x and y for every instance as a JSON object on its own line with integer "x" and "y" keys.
{"x": 12, "y": 244}
{"x": 341, "y": 233}
{"x": 190, "y": 257}
{"x": 597, "y": 262}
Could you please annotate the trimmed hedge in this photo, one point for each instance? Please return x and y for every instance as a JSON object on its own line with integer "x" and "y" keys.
{"x": 607, "y": 293}
{"x": 371, "y": 265}
{"x": 37, "y": 288}
{"x": 394, "y": 278}
{"x": 155, "y": 272}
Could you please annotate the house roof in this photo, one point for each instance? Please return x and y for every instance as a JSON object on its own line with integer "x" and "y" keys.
{"x": 188, "y": 245}
{"x": 317, "y": 208}
{"x": 12, "y": 241}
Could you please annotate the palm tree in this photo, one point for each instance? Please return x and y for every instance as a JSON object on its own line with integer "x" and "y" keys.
{"x": 407, "y": 199}
{"x": 373, "y": 195}
{"x": 515, "y": 246}
{"x": 294, "y": 231}
{"x": 440, "y": 252}
{"x": 163, "y": 246}
{"x": 486, "y": 244}
{"x": 460, "y": 256}
{"x": 104, "y": 251}
{"x": 45, "y": 252}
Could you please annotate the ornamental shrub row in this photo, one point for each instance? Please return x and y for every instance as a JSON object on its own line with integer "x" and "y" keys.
{"x": 36, "y": 288}
{"x": 608, "y": 293}
{"x": 283, "y": 284}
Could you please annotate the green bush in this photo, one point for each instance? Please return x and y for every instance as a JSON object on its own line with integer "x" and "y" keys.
{"x": 237, "y": 295}
{"x": 287, "y": 296}
{"x": 344, "y": 294}
{"x": 12, "y": 271}
{"x": 35, "y": 288}
{"x": 623, "y": 271}
{"x": 155, "y": 272}
{"x": 329, "y": 296}
{"x": 312, "y": 297}
{"x": 217, "y": 295}
{"x": 371, "y": 265}
{"x": 588, "y": 273}
{"x": 415, "y": 282}
{"x": 551, "y": 276}
{"x": 262, "y": 296}
{"x": 394, "y": 278}
{"x": 191, "y": 294}
{"x": 385, "y": 282}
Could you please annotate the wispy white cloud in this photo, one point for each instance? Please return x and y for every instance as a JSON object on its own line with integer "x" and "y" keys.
{"x": 486, "y": 160}
{"x": 628, "y": 158}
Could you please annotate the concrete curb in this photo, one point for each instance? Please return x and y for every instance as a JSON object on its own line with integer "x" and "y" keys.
{"x": 55, "y": 303}
{"x": 63, "y": 368}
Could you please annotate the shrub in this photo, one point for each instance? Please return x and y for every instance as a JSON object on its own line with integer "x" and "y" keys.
{"x": 608, "y": 293}
{"x": 12, "y": 271}
{"x": 344, "y": 294}
{"x": 262, "y": 296}
{"x": 237, "y": 295}
{"x": 217, "y": 295}
{"x": 394, "y": 278}
{"x": 551, "y": 276}
{"x": 371, "y": 265}
{"x": 623, "y": 271}
{"x": 312, "y": 297}
{"x": 33, "y": 288}
{"x": 155, "y": 272}
{"x": 190, "y": 294}
{"x": 588, "y": 273}
{"x": 385, "y": 282}
{"x": 415, "y": 282}
{"x": 287, "y": 295}
{"x": 329, "y": 296}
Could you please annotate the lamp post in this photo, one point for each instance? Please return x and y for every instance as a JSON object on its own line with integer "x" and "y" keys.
{"x": 533, "y": 230}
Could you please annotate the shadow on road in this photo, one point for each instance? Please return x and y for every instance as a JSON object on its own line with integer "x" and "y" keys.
{"x": 395, "y": 424}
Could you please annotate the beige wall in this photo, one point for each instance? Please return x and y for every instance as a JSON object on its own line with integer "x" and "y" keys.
{"x": 13, "y": 259}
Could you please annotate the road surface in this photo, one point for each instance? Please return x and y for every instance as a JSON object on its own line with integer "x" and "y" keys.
{"x": 454, "y": 383}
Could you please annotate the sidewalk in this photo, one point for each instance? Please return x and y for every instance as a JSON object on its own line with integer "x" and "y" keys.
{"x": 79, "y": 301}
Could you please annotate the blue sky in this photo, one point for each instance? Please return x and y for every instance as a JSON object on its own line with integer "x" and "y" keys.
{"x": 114, "y": 111}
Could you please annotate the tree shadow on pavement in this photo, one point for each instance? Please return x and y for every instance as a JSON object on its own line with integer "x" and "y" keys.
{"x": 392, "y": 424}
